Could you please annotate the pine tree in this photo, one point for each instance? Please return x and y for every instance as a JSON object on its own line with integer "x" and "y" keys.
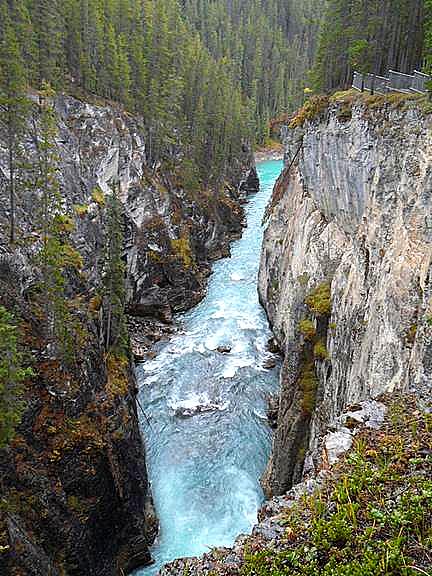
{"x": 49, "y": 26}
{"x": 14, "y": 106}
{"x": 56, "y": 255}
{"x": 114, "y": 293}
{"x": 12, "y": 375}
{"x": 24, "y": 30}
{"x": 369, "y": 35}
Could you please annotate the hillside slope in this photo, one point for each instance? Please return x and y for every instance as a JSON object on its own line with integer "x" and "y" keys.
{"x": 367, "y": 515}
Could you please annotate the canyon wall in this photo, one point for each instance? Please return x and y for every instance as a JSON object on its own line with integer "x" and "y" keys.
{"x": 74, "y": 488}
{"x": 345, "y": 273}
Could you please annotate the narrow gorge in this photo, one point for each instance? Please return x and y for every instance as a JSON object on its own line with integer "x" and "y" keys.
{"x": 345, "y": 282}
{"x": 205, "y": 397}
{"x": 215, "y": 288}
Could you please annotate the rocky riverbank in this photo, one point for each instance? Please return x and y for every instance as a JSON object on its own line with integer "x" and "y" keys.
{"x": 329, "y": 521}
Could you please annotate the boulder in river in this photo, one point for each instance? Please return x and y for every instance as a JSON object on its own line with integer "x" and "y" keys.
{"x": 273, "y": 346}
{"x": 224, "y": 349}
{"x": 269, "y": 364}
{"x": 188, "y": 412}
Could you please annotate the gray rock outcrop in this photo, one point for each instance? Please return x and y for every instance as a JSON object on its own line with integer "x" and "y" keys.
{"x": 354, "y": 214}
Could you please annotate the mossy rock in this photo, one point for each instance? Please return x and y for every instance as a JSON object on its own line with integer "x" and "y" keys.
{"x": 118, "y": 377}
{"x": 81, "y": 210}
{"x": 320, "y": 350}
{"x": 308, "y": 385}
{"x": 312, "y": 109}
{"x": 303, "y": 280}
{"x": 98, "y": 196}
{"x": 307, "y": 329}
{"x": 182, "y": 249}
{"x": 319, "y": 300}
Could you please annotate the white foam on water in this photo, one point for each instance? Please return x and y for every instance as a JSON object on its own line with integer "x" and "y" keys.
{"x": 229, "y": 372}
{"x": 239, "y": 346}
{"x": 192, "y": 401}
{"x": 221, "y": 313}
{"x": 236, "y": 277}
{"x": 234, "y": 364}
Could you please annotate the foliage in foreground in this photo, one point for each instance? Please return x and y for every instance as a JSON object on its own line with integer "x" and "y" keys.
{"x": 12, "y": 376}
{"x": 373, "y": 519}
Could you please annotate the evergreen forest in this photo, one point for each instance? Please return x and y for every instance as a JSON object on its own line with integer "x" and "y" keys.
{"x": 206, "y": 76}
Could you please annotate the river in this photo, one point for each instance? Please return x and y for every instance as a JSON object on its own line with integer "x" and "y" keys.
{"x": 207, "y": 439}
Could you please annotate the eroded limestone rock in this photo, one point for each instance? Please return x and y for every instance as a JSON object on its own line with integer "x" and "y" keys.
{"x": 355, "y": 212}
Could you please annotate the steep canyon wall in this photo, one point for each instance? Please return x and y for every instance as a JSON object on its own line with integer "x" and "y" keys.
{"x": 346, "y": 270}
{"x": 75, "y": 494}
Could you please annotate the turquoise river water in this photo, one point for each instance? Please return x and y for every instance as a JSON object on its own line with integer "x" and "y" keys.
{"x": 208, "y": 440}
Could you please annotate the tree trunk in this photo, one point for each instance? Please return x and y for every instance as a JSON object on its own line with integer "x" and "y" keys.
{"x": 11, "y": 183}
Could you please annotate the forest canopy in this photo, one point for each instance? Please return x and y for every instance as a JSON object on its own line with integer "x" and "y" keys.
{"x": 207, "y": 76}
{"x": 141, "y": 54}
{"x": 369, "y": 36}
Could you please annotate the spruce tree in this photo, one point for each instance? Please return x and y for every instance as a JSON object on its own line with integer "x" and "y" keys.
{"x": 12, "y": 375}
{"x": 49, "y": 27}
{"x": 14, "y": 106}
{"x": 56, "y": 256}
{"x": 114, "y": 293}
{"x": 369, "y": 36}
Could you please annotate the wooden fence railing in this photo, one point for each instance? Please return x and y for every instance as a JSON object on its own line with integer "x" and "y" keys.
{"x": 394, "y": 82}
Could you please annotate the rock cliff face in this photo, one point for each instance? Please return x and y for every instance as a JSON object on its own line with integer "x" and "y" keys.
{"x": 346, "y": 271}
{"x": 74, "y": 489}
{"x": 173, "y": 231}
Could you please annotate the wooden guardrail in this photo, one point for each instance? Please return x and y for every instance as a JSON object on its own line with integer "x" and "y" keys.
{"x": 394, "y": 82}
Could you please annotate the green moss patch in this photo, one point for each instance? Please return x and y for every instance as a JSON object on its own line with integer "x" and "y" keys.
{"x": 182, "y": 249}
{"x": 319, "y": 300}
{"x": 320, "y": 350}
{"x": 307, "y": 329}
{"x": 118, "y": 375}
{"x": 313, "y": 108}
{"x": 81, "y": 210}
{"x": 98, "y": 196}
{"x": 308, "y": 385}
